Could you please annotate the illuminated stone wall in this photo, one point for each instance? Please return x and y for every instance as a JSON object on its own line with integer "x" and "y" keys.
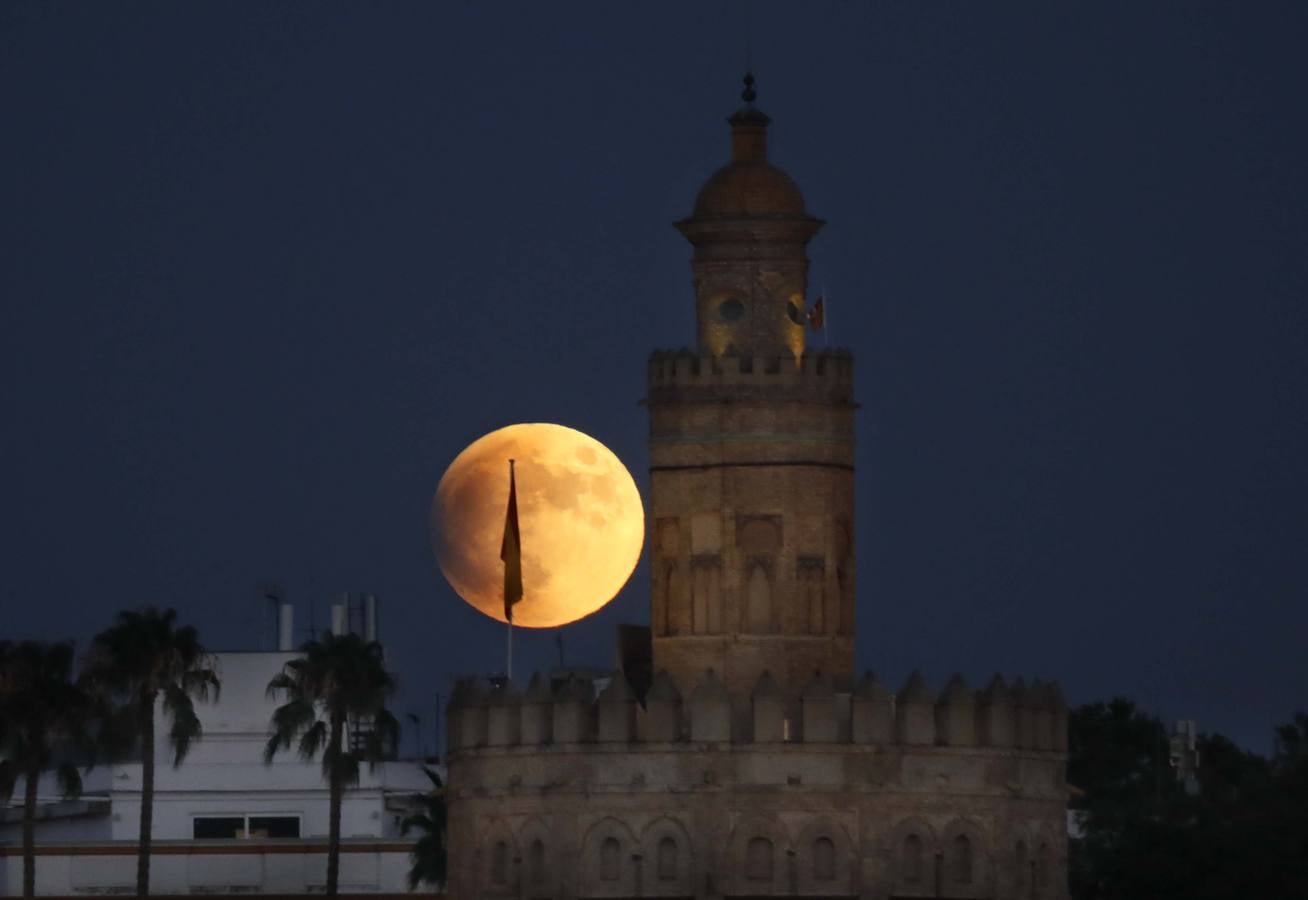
{"x": 555, "y": 793}
{"x": 751, "y": 516}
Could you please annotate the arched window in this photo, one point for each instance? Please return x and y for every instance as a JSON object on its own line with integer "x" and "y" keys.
{"x": 667, "y": 859}
{"x": 610, "y": 860}
{"x": 758, "y": 602}
{"x": 706, "y": 603}
{"x": 500, "y": 863}
{"x": 960, "y": 860}
{"x": 912, "y": 858}
{"x": 536, "y": 863}
{"x": 758, "y": 859}
{"x": 824, "y": 859}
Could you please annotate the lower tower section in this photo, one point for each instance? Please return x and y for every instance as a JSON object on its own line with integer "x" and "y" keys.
{"x": 752, "y": 517}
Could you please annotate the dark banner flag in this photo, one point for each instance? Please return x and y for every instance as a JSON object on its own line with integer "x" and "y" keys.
{"x": 511, "y": 550}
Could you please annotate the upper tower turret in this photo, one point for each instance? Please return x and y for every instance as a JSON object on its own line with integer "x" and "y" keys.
{"x": 751, "y": 444}
{"x": 750, "y": 232}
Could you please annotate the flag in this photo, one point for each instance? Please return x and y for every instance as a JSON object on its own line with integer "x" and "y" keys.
{"x": 511, "y": 550}
{"x": 815, "y": 315}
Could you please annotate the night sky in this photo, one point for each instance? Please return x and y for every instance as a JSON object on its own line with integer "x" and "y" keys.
{"x": 265, "y": 268}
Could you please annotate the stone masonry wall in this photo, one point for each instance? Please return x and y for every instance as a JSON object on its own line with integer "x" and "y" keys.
{"x": 559, "y": 793}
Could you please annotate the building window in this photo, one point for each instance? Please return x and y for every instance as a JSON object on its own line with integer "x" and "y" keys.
{"x": 500, "y": 863}
{"x": 1022, "y": 876}
{"x": 912, "y": 858}
{"x": 610, "y": 860}
{"x": 667, "y": 859}
{"x": 758, "y": 859}
{"x": 204, "y": 828}
{"x": 1043, "y": 872}
{"x": 960, "y": 863}
{"x": 824, "y": 859}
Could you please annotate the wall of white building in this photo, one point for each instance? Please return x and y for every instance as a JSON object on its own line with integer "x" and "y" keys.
{"x": 223, "y": 775}
{"x": 366, "y": 867}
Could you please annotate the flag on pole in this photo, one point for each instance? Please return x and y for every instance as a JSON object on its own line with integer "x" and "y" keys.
{"x": 511, "y": 550}
{"x": 816, "y": 315}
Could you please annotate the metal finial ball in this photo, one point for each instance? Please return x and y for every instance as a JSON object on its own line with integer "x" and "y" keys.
{"x": 748, "y": 93}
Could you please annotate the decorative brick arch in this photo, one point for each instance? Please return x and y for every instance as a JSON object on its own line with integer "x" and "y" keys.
{"x": 1035, "y": 859}
{"x": 658, "y": 878}
{"x": 747, "y": 838}
{"x": 913, "y": 849}
{"x": 498, "y": 852}
{"x": 594, "y": 857}
{"x": 816, "y": 840}
{"x": 539, "y": 848}
{"x": 967, "y": 856}
{"x": 1048, "y": 851}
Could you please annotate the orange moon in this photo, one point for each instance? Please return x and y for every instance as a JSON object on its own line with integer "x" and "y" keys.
{"x": 579, "y": 514}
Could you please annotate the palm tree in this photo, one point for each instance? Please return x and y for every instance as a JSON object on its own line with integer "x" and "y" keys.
{"x": 42, "y": 711}
{"x": 338, "y": 682}
{"x": 139, "y": 659}
{"x": 429, "y": 851}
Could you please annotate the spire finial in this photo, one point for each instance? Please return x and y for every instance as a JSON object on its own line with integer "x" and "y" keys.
{"x": 748, "y": 94}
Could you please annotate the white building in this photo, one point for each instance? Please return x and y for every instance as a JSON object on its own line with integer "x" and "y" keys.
{"x": 224, "y": 822}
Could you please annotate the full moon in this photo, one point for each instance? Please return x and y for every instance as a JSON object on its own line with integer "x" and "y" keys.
{"x": 579, "y": 515}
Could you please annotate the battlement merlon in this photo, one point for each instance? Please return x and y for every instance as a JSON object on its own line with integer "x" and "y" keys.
{"x": 1023, "y": 720}
{"x": 825, "y": 376}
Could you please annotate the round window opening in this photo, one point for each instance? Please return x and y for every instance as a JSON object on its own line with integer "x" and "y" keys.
{"x": 795, "y": 313}
{"x": 731, "y": 309}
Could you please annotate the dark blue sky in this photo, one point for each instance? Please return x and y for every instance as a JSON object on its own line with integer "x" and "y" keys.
{"x": 266, "y": 268}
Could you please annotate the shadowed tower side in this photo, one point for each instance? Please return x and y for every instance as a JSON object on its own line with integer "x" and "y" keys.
{"x": 751, "y": 447}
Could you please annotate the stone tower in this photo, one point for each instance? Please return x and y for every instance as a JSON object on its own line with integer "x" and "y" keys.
{"x": 751, "y": 447}
{"x": 753, "y": 766}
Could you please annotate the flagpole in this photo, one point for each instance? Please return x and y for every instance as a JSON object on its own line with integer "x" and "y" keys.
{"x": 508, "y": 652}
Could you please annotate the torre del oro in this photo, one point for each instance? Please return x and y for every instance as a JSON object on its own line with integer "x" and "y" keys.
{"x": 749, "y": 758}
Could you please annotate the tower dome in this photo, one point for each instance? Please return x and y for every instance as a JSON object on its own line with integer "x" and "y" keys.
{"x": 749, "y": 189}
{"x": 749, "y": 185}
{"x": 750, "y": 231}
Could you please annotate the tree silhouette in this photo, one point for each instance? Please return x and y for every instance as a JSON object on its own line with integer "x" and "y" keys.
{"x": 339, "y": 681}
{"x": 42, "y": 711}
{"x": 142, "y": 658}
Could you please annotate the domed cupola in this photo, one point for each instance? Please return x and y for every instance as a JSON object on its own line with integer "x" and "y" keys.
{"x": 750, "y": 231}
{"x": 749, "y": 185}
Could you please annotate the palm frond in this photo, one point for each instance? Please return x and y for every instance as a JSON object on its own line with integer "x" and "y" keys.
{"x": 313, "y": 739}
{"x": 382, "y": 738}
{"x": 186, "y": 726}
{"x": 288, "y": 720}
{"x": 70, "y": 781}
{"x": 8, "y": 777}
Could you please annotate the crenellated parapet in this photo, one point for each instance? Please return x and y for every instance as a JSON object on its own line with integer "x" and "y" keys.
{"x": 830, "y": 790}
{"x": 1025, "y": 717}
{"x": 825, "y": 374}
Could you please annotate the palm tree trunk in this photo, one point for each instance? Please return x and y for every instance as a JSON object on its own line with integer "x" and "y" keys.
{"x": 334, "y": 813}
{"x": 147, "y": 797}
{"x": 29, "y": 832}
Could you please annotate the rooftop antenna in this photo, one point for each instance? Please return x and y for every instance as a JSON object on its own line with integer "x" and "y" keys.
{"x": 271, "y": 597}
